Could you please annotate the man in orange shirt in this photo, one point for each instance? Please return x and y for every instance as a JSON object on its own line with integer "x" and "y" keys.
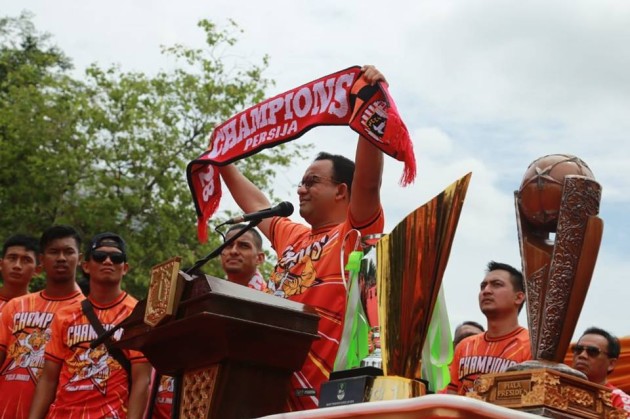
{"x": 505, "y": 343}
{"x": 26, "y": 320}
{"x": 336, "y": 195}
{"x": 18, "y": 265}
{"x": 94, "y": 381}
{"x": 596, "y": 354}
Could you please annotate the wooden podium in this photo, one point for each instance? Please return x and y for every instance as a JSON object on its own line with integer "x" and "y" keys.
{"x": 234, "y": 348}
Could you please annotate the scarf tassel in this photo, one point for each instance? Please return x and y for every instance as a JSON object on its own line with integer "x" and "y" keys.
{"x": 397, "y": 135}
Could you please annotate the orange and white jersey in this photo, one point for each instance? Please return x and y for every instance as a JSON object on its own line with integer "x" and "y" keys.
{"x": 91, "y": 380}
{"x": 309, "y": 272}
{"x": 24, "y": 333}
{"x": 480, "y": 354}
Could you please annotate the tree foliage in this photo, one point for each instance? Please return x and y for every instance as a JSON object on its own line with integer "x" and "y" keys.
{"x": 108, "y": 152}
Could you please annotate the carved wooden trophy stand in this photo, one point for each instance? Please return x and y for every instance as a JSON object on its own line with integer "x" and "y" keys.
{"x": 558, "y": 195}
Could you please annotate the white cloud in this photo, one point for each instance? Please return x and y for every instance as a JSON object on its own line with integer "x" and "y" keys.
{"x": 483, "y": 85}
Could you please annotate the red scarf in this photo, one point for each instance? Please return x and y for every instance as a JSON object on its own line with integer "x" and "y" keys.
{"x": 342, "y": 98}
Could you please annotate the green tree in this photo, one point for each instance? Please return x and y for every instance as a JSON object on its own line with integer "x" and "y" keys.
{"x": 108, "y": 153}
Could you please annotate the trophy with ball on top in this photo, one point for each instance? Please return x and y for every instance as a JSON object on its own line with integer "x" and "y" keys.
{"x": 559, "y": 233}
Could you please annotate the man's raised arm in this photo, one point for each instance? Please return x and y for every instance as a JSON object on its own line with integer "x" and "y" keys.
{"x": 247, "y": 195}
{"x": 365, "y": 199}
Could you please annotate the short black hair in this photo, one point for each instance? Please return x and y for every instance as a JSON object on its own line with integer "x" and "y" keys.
{"x": 343, "y": 168}
{"x": 27, "y": 242}
{"x": 457, "y": 339}
{"x": 471, "y": 323}
{"x": 614, "y": 347}
{"x": 516, "y": 277}
{"x": 258, "y": 241}
{"x": 58, "y": 232}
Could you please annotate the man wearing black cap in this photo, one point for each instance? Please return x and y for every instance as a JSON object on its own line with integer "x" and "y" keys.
{"x": 94, "y": 381}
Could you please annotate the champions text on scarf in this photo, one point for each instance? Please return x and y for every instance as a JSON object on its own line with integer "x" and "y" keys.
{"x": 342, "y": 98}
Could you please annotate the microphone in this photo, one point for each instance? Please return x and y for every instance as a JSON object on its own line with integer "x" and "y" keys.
{"x": 283, "y": 209}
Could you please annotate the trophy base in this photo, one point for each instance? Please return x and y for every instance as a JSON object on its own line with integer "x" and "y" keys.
{"x": 367, "y": 384}
{"x": 546, "y": 392}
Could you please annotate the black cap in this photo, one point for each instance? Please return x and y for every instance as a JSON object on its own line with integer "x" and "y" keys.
{"x": 105, "y": 239}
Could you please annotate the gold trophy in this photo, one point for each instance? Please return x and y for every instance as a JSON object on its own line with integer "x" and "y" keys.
{"x": 405, "y": 275}
{"x": 411, "y": 264}
{"x": 559, "y": 231}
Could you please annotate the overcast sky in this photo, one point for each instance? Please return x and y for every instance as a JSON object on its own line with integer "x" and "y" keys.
{"x": 483, "y": 86}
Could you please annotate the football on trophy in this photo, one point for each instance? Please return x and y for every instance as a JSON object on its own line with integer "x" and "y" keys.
{"x": 540, "y": 193}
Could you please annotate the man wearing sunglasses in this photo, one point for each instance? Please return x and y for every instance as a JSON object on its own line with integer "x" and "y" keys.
{"x": 336, "y": 195}
{"x": 94, "y": 381}
{"x": 596, "y": 354}
{"x": 25, "y": 321}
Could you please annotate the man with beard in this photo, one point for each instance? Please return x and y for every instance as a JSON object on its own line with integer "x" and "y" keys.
{"x": 240, "y": 262}
{"x": 241, "y": 259}
{"x": 505, "y": 343}
{"x": 25, "y": 322}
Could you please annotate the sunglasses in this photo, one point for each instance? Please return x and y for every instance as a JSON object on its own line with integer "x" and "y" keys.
{"x": 591, "y": 351}
{"x": 116, "y": 257}
{"x": 309, "y": 181}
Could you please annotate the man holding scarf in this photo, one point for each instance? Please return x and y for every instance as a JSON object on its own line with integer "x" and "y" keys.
{"x": 335, "y": 195}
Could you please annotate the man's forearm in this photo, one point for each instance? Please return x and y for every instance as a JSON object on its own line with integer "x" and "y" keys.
{"x": 139, "y": 394}
{"x": 365, "y": 198}
{"x": 43, "y": 397}
{"x": 247, "y": 195}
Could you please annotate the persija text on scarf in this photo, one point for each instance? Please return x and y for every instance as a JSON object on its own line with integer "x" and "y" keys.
{"x": 342, "y": 98}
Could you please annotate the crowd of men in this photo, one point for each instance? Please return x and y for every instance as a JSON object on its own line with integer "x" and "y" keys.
{"x": 48, "y": 368}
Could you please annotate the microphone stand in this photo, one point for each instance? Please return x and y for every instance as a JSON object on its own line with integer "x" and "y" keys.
{"x": 177, "y": 379}
{"x": 104, "y": 338}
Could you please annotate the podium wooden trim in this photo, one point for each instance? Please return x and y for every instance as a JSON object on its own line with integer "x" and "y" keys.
{"x": 235, "y": 348}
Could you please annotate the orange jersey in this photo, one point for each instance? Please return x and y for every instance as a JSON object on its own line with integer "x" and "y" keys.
{"x": 3, "y": 302}
{"x": 92, "y": 384}
{"x": 164, "y": 398}
{"x": 480, "y": 354}
{"x": 24, "y": 333}
{"x": 309, "y": 272}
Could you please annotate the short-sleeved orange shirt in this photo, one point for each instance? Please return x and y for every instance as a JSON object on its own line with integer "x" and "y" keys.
{"x": 91, "y": 381}
{"x": 24, "y": 334}
{"x": 479, "y": 354}
{"x": 309, "y": 271}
